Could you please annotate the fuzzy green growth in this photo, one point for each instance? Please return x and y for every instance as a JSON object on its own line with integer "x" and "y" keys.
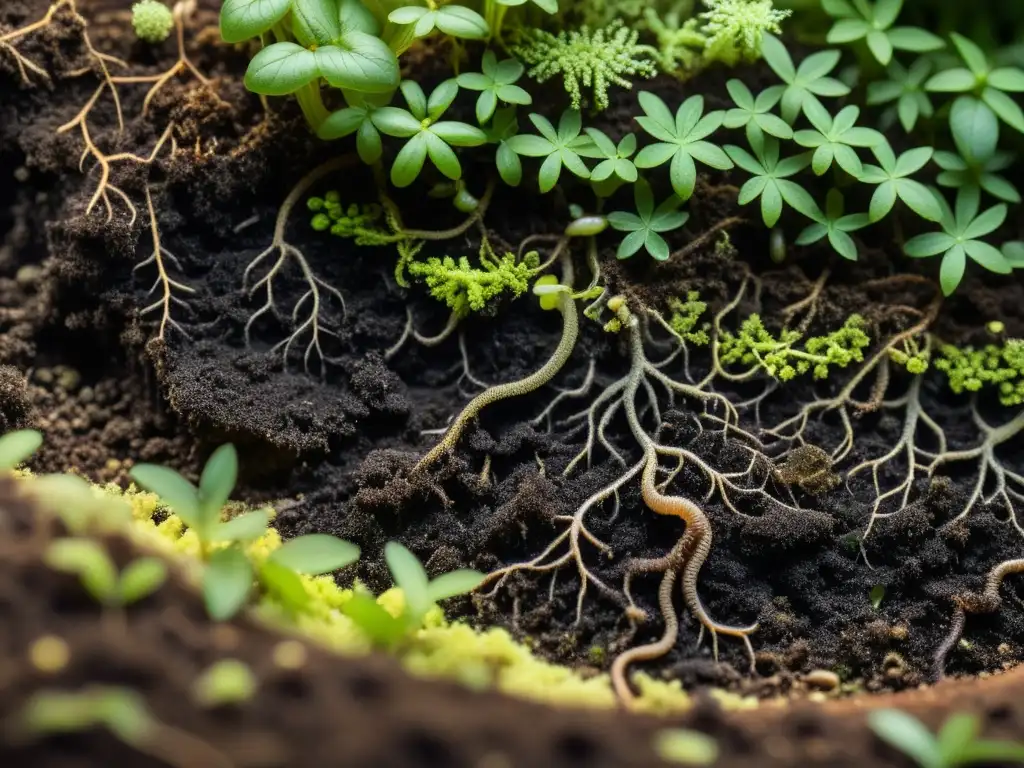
{"x": 584, "y": 58}
{"x": 734, "y": 28}
{"x": 686, "y": 316}
{"x": 755, "y": 346}
{"x": 355, "y": 221}
{"x": 465, "y": 288}
{"x": 969, "y": 369}
{"x": 153, "y": 21}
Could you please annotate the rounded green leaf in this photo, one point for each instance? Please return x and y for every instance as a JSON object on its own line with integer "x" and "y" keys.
{"x": 798, "y": 198}
{"x": 243, "y": 19}
{"x": 914, "y": 39}
{"x": 88, "y": 560}
{"x": 988, "y": 257}
{"x": 409, "y": 161}
{"x": 284, "y": 584}
{"x": 510, "y": 168}
{"x": 458, "y": 21}
{"x": 928, "y": 244}
{"x": 846, "y": 31}
{"x": 843, "y": 244}
{"x": 550, "y": 171}
{"x": 459, "y": 134}
{"x": 453, "y": 584}
{"x": 368, "y": 143}
{"x": 141, "y": 578}
{"x": 771, "y": 204}
{"x": 682, "y": 175}
{"x": 17, "y": 446}
{"x": 474, "y": 81}
{"x": 752, "y": 189}
{"x": 974, "y": 126}
{"x": 442, "y": 156}
{"x": 774, "y": 125}
{"x": 227, "y": 582}
{"x": 630, "y": 244}
{"x": 315, "y": 554}
{"x": 812, "y": 234}
{"x": 654, "y": 155}
{"x": 396, "y": 122}
{"x": 513, "y": 94}
{"x": 913, "y": 160}
{"x": 280, "y": 69}
{"x": 359, "y": 62}
{"x": 441, "y": 98}
{"x": 218, "y": 481}
{"x": 707, "y": 153}
{"x": 952, "y": 270}
{"x": 951, "y": 81}
{"x": 409, "y": 576}
{"x": 173, "y": 489}
{"x": 246, "y": 527}
{"x": 408, "y": 14}
{"x": 486, "y": 103}
{"x": 656, "y": 246}
{"x": 341, "y": 123}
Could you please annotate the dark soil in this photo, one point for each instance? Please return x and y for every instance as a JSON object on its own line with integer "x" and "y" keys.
{"x": 339, "y": 440}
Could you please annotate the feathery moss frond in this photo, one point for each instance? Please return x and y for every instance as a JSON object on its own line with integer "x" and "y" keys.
{"x": 595, "y": 60}
{"x": 465, "y": 288}
{"x": 734, "y": 28}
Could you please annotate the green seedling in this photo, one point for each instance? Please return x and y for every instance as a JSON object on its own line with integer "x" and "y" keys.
{"x": 88, "y": 560}
{"x": 357, "y": 118}
{"x": 804, "y": 84}
{"x": 873, "y": 23}
{"x": 331, "y": 40}
{"x": 644, "y": 227}
{"x": 905, "y": 87}
{"x": 681, "y": 140}
{"x": 835, "y": 226}
{"x": 834, "y": 138}
{"x": 982, "y": 80}
{"x": 771, "y": 179}
{"x": 453, "y": 20}
{"x": 496, "y": 10}
{"x": 420, "y": 595}
{"x": 502, "y": 128}
{"x": 959, "y": 240}
{"x": 755, "y": 113}
{"x": 892, "y": 175}
{"x": 616, "y": 166}
{"x": 427, "y": 134}
{"x": 957, "y": 743}
{"x": 226, "y": 682}
{"x": 120, "y": 711}
{"x": 16, "y": 447}
{"x": 558, "y": 148}
{"x": 496, "y": 83}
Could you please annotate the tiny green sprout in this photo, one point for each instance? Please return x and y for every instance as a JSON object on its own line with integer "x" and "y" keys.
{"x": 991, "y": 84}
{"x": 873, "y": 23}
{"x": 957, "y": 743}
{"x": 90, "y": 562}
{"x": 599, "y": 59}
{"x": 959, "y": 241}
{"x": 357, "y": 118}
{"x": 771, "y": 181}
{"x": 905, "y": 86}
{"x": 427, "y": 134}
{"x": 644, "y": 227}
{"x": 225, "y": 682}
{"x": 755, "y": 114}
{"x": 558, "y": 147}
{"x": 16, "y": 447}
{"x": 419, "y": 592}
{"x": 876, "y": 595}
{"x": 834, "y": 138}
{"x": 734, "y": 29}
{"x": 501, "y": 129}
{"x": 804, "y": 84}
{"x": 122, "y": 712}
{"x": 453, "y": 20}
{"x": 587, "y": 226}
{"x": 616, "y": 166}
{"x": 892, "y": 175}
{"x": 548, "y": 289}
{"x": 152, "y": 20}
{"x": 832, "y": 224}
{"x": 496, "y": 82}
{"x": 686, "y": 747}
{"x": 681, "y": 140}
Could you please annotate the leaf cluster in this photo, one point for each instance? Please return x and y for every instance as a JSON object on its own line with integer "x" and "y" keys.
{"x": 957, "y": 743}
{"x": 97, "y": 572}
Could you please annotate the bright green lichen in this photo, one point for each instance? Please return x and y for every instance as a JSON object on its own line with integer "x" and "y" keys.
{"x": 969, "y": 370}
{"x": 465, "y": 288}
{"x": 595, "y": 60}
{"x": 153, "y": 21}
{"x": 685, "y": 317}
{"x": 755, "y": 346}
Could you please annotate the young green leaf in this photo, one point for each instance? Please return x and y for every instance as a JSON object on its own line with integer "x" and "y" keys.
{"x": 16, "y": 447}
{"x": 835, "y": 138}
{"x": 280, "y": 69}
{"x": 959, "y": 240}
{"x": 502, "y": 128}
{"x": 804, "y": 84}
{"x": 248, "y": 526}
{"x": 615, "y": 158}
{"x": 892, "y": 176}
{"x": 907, "y": 734}
{"x": 88, "y": 560}
{"x": 644, "y": 227}
{"x": 374, "y": 621}
{"x": 243, "y": 19}
{"x": 218, "y": 481}
{"x": 315, "y": 554}
{"x": 496, "y": 83}
{"x": 453, "y": 584}
{"x": 227, "y": 582}
{"x": 832, "y": 224}
{"x": 906, "y": 88}
{"x": 140, "y": 579}
{"x": 873, "y": 23}
{"x": 755, "y": 114}
{"x": 680, "y": 140}
{"x": 174, "y": 491}
{"x": 410, "y": 577}
{"x": 771, "y": 181}
{"x": 284, "y": 584}
{"x": 558, "y": 148}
